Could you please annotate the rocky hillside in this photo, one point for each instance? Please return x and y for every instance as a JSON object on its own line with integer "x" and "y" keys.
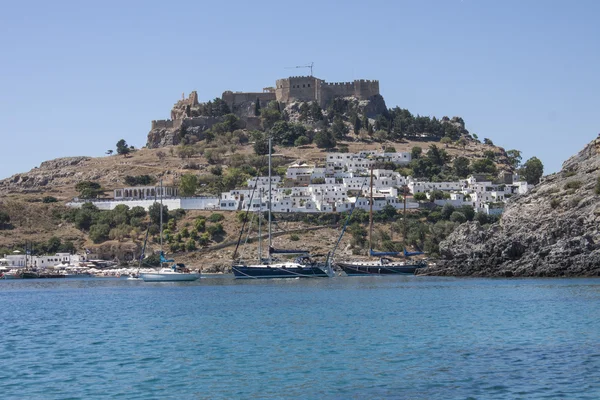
{"x": 552, "y": 231}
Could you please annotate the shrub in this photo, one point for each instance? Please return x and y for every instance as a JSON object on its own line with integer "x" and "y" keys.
{"x": 190, "y": 245}
{"x": 294, "y": 237}
{"x": 597, "y": 190}
{"x": 301, "y": 141}
{"x": 573, "y": 185}
{"x": 215, "y": 230}
{"x": 554, "y": 203}
{"x": 215, "y": 217}
{"x": 49, "y": 199}
{"x": 457, "y": 216}
{"x": 420, "y": 196}
{"x": 99, "y": 233}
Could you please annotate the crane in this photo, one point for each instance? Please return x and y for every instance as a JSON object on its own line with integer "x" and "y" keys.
{"x": 305, "y": 66}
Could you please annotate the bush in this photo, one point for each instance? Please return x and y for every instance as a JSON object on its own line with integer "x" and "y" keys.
{"x": 190, "y": 245}
{"x": 420, "y": 196}
{"x": 457, "y": 216}
{"x": 597, "y": 190}
{"x": 215, "y": 230}
{"x": 294, "y": 237}
{"x": 554, "y": 203}
{"x": 200, "y": 224}
{"x": 215, "y": 217}
{"x": 301, "y": 141}
{"x": 99, "y": 233}
{"x": 49, "y": 199}
{"x": 573, "y": 185}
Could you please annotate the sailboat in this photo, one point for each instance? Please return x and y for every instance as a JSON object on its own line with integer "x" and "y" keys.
{"x": 302, "y": 267}
{"x": 384, "y": 265}
{"x": 172, "y": 273}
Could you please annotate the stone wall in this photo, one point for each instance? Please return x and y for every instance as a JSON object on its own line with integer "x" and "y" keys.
{"x": 166, "y": 124}
{"x": 235, "y": 98}
{"x": 309, "y": 88}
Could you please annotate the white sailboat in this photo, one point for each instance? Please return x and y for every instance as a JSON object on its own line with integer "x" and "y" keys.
{"x": 172, "y": 273}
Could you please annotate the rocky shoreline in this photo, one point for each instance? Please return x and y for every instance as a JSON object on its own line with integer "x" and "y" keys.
{"x": 553, "y": 231}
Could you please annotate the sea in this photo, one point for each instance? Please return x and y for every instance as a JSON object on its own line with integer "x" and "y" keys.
{"x": 402, "y": 337}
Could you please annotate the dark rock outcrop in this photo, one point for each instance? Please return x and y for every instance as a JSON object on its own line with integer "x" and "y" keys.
{"x": 554, "y": 230}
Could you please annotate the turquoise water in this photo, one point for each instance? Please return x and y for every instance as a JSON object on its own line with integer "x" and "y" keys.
{"x": 341, "y": 338}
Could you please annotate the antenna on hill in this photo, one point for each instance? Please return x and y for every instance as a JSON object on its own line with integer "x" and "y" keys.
{"x": 304, "y": 66}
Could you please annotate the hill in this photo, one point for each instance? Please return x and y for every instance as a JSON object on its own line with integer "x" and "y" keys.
{"x": 222, "y": 154}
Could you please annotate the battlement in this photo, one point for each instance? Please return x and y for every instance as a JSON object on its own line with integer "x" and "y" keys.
{"x": 166, "y": 124}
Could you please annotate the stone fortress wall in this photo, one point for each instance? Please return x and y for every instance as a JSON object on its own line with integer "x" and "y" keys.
{"x": 309, "y": 88}
{"x": 294, "y": 88}
{"x": 236, "y": 98}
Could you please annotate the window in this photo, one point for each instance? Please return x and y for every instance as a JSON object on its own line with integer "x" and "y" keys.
{"x": 303, "y": 85}
{"x": 309, "y": 85}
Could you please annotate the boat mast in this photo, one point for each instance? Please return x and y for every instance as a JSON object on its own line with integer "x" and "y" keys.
{"x": 371, "y": 213}
{"x": 259, "y": 226}
{"x": 270, "y": 150}
{"x": 404, "y": 214}
{"x": 161, "y": 220}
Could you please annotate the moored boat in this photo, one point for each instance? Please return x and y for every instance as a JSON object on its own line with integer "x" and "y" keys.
{"x": 384, "y": 265}
{"x": 173, "y": 273}
{"x": 271, "y": 268}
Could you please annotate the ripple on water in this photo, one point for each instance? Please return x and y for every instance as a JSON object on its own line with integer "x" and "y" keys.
{"x": 408, "y": 337}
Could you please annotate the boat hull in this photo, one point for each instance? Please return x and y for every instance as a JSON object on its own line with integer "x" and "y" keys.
{"x": 268, "y": 272}
{"x": 361, "y": 270}
{"x": 171, "y": 277}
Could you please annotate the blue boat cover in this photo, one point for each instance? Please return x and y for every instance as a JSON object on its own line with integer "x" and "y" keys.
{"x": 412, "y": 253}
{"x": 383, "y": 253}
{"x": 163, "y": 259}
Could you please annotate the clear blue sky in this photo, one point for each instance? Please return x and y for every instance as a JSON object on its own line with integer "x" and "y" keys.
{"x": 76, "y": 77}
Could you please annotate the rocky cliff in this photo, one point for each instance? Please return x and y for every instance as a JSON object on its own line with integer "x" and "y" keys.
{"x": 552, "y": 231}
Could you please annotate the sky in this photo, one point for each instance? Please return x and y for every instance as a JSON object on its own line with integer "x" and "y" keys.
{"x": 76, "y": 77}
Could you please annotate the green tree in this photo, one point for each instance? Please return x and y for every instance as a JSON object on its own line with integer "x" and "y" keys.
{"x": 457, "y": 216}
{"x": 484, "y": 166}
{"x": 468, "y": 212}
{"x": 324, "y": 139}
{"x": 461, "y": 167}
{"x": 447, "y": 211}
{"x": 261, "y": 145}
{"x": 232, "y": 178}
{"x": 316, "y": 113}
{"x": 514, "y": 158}
{"x": 416, "y": 152}
{"x": 489, "y": 155}
{"x": 339, "y": 128}
{"x": 301, "y": 141}
{"x": 99, "y": 233}
{"x": 137, "y": 212}
{"x": 420, "y": 196}
{"x": 437, "y": 156}
{"x": 257, "y": 107}
{"x": 122, "y": 147}
{"x": 154, "y": 212}
{"x": 89, "y": 189}
{"x": 532, "y": 170}
{"x": 188, "y": 184}
{"x": 357, "y": 123}
{"x": 487, "y": 141}
{"x": 269, "y": 116}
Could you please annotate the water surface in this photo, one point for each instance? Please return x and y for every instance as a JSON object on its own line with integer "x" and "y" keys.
{"x": 357, "y": 338}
